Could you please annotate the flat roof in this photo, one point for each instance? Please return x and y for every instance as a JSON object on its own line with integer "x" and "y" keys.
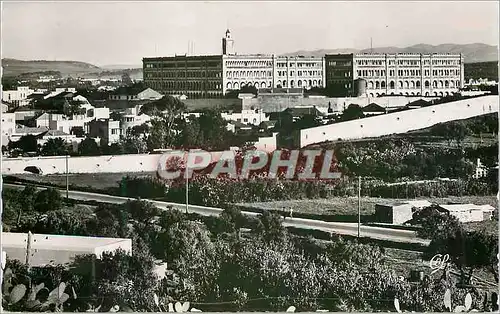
{"x": 51, "y": 241}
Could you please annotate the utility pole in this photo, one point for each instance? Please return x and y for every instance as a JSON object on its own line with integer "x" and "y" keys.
{"x": 67, "y": 179}
{"x": 67, "y": 170}
{"x": 28, "y": 249}
{"x": 187, "y": 188}
{"x": 359, "y": 205}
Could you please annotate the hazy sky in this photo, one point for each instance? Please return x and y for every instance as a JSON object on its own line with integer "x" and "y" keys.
{"x": 106, "y": 33}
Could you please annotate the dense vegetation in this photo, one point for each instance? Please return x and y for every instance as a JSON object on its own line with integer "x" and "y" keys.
{"x": 215, "y": 265}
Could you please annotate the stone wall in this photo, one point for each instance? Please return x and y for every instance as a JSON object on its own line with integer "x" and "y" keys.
{"x": 400, "y": 122}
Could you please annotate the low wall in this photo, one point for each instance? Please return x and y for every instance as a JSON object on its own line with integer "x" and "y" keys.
{"x": 279, "y": 103}
{"x": 93, "y": 164}
{"x": 400, "y": 122}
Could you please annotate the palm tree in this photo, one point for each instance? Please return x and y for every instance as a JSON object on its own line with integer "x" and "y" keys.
{"x": 54, "y": 147}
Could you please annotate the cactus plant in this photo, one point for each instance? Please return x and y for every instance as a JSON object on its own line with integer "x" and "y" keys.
{"x": 447, "y": 304}
{"x": 14, "y": 296}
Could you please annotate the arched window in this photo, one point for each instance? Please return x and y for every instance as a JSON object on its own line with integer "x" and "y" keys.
{"x": 418, "y": 84}
{"x": 426, "y": 94}
{"x": 377, "y": 85}
{"x": 446, "y": 84}
{"x": 392, "y": 85}
{"x": 263, "y": 85}
{"x": 435, "y": 85}
{"x": 299, "y": 83}
{"x": 229, "y": 86}
{"x": 292, "y": 84}
{"x": 320, "y": 83}
{"x": 315, "y": 83}
{"x": 441, "y": 84}
{"x": 284, "y": 83}
{"x": 236, "y": 85}
{"x": 400, "y": 84}
{"x": 310, "y": 83}
{"x": 370, "y": 85}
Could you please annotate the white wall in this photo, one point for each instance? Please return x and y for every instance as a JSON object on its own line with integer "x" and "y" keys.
{"x": 93, "y": 164}
{"x": 267, "y": 144}
{"x": 400, "y": 122}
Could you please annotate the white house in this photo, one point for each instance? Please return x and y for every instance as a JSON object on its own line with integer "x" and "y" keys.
{"x": 133, "y": 93}
{"x": 132, "y": 117}
{"x": 106, "y": 129}
{"x": 58, "y": 249}
{"x": 254, "y": 117}
{"x": 8, "y": 126}
{"x": 18, "y": 96}
{"x": 469, "y": 212}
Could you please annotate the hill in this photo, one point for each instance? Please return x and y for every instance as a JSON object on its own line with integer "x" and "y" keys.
{"x": 34, "y": 68}
{"x": 476, "y": 52}
{"x": 13, "y": 67}
{"x": 479, "y": 70}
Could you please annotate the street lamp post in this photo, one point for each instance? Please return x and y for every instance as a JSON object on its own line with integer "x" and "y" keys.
{"x": 359, "y": 205}
{"x": 67, "y": 169}
{"x": 187, "y": 188}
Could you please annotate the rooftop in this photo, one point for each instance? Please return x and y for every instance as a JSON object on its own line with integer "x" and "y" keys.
{"x": 51, "y": 241}
{"x": 466, "y": 207}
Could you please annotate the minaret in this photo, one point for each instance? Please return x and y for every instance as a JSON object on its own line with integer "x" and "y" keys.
{"x": 228, "y": 44}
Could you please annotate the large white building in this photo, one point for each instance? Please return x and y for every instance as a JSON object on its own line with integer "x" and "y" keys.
{"x": 408, "y": 74}
{"x": 214, "y": 76}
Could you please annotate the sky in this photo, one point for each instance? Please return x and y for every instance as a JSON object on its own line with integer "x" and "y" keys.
{"x": 122, "y": 33}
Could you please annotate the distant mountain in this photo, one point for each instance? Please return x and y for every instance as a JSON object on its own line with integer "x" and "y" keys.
{"x": 121, "y": 66}
{"x": 66, "y": 68}
{"x": 476, "y": 52}
{"x": 14, "y": 67}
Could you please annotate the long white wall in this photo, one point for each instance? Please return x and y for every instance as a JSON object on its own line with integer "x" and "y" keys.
{"x": 400, "y": 122}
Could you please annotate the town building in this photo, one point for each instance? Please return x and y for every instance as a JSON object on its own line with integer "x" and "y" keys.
{"x": 408, "y": 74}
{"x": 469, "y": 212}
{"x": 254, "y": 117}
{"x": 398, "y": 213}
{"x": 18, "y": 97}
{"x": 132, "y": 117}
{"x": 481, "y": 170}
{"x": 49, "y": 249}
{"x": 213, "y": 76}
{"x": 105, "y": 129}
{"x": 134, "y": 93}
{"x": 8, "y": 126}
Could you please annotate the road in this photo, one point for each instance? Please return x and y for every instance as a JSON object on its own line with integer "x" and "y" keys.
{"x": 349, "y": 229}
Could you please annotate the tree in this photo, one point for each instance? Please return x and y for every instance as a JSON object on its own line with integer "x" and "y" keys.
{"x": 191, "y": 254}
{"x": 73, "y": 107}
{"x": 270, "y": 228}
{"x": 48, "y": 200}
{"x": 88, "y": 147}
{"x": 307, "y": 121}
{"x": 120, "y": 279}
{"x": 27, "y": 144}
{"x": 134, "y": 141}
{"x": 142, "y": 211}
{"x": 352, "y": 112}
{"x": 54, "y": 147}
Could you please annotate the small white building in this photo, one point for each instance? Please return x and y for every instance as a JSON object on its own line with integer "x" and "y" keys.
{"x": 132, "y": 117}
{"x": 48, "y": 249}
{"x": 254, "y": 117}
{"x": 481, "y": 170}
{"x": 106, "y": 129}
{"x": 132, "y": 93}
{"x": 18, "y": 97}
{"x": 469, "y": 212}
{"x": 398, "y": 213}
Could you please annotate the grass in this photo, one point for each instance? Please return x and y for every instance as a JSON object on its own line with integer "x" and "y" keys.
{"x": 349, "y": 205}
{"x": 101, "y": 181}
